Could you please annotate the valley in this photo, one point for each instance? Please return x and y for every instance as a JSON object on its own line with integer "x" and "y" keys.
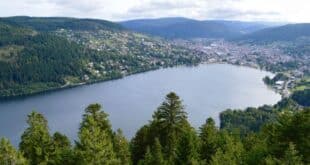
{"x": 245, "y": 80}
{"x": 81, "y": 51}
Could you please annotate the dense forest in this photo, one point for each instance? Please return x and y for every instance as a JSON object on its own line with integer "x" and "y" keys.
{"x": 267, "y": 135}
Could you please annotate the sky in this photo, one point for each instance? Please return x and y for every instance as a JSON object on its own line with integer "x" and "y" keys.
{"x": 118, "y": 10}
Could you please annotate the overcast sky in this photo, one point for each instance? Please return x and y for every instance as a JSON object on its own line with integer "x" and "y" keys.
{"x": 116, "y": 10}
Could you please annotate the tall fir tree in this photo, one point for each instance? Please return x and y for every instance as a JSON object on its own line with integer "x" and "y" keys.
{"x": 187, "y": 151}
{"x": 95, "y": 144}
{"x": 209, "y": 140}
{"x": 148, "y": 157}
{"x": 138, "y": 144}
{"x": 171, "y": 119}
{"x": 63, "y": 153}
{"x": 230, "y": 152}
{"x": 153, "y": 155}
{"x": 36, "y": 142}
{"x": 121, "y": 148}
{"x": 157, "y": 154}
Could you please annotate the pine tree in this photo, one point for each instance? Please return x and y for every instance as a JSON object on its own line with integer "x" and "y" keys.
{"x": 187, "y": 151}
{"x": 171, "y": 119}
{"x": 95, "y": 138}
{"x": 121, "y": 148}
{"x": 36, "y": 142}
{"x": 148, "y": 157}
{"x": 8, "y": 154}
{"x": 209, "y": 140}
{"x": 153, "y": 155}
{"x": 157, "y": 154}
{"x": 138, "y": 144}
{"x": 63, "y": 153}
{"x": 230, "y": 153}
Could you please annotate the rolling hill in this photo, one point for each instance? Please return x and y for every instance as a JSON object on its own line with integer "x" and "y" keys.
{"x": 54, "y": 23}
{"x": 290, "y": 32}
{"x": 189, "y": 28}
{"x": 39, "y": 54}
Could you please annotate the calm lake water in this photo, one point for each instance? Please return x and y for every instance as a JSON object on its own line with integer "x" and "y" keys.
{"x": 130, "y": 102}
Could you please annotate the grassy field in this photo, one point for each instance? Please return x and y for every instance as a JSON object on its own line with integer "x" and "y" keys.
{"x": 302, "y": 84}
{"x": 8, "y": 53}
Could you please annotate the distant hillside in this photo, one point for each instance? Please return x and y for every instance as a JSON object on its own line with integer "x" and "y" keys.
{"x": 39, "y": 54}
{"x": 188, "y": 28}
{"x": 288, "y": 32}
{"x": 54, "y": 23}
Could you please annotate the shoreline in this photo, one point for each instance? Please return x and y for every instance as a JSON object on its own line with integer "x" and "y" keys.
{"x": 68, "y": 86}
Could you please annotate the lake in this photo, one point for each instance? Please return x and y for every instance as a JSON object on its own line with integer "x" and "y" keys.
{"x": 130, "y": 102}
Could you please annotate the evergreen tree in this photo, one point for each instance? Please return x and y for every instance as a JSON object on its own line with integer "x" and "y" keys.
{"x": 230, "y": 153}
{"x": 187, "y": 151}
{"x": 63, "y": 153}
{"x": 95, "y": 139}
{"x": 290, "y": 127}
{"x": 209, "y": 140}
{"x": 291, "y": 156}
{"x": 121, "y": 148}
{"x": 148, "y": 158}
{"x": 36, "y": 142}
{"x": 269, "y": 160}
{"x": 154, "y": 156}
{"x": 8, "y": 154}
{"x": 171, "y": 119}
{"x": 157, "y": 153}
{"x": 138, "y": 144}
{"x": 256, "y": 149}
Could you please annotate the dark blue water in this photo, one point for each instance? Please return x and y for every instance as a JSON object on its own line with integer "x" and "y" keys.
{"x": 206, "y": 91}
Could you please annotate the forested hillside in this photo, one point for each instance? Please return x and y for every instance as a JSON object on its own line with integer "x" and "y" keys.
{"x": 290, "y": 32}
{"x": 55, "y": 23}
{"x": 276, "y": 135}
{"x": 39, "y": 54}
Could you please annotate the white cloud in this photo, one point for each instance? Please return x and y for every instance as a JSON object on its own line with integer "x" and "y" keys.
{"x": 249, "y": 10}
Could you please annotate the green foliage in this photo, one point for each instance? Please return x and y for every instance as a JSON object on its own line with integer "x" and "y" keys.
{"x": 147, "y": 157}
{"x": 157, "y": 153}
{"x": 209, "y": 140}
{"x": 170, "y": 126}
{"x": 289, "y": 128}
{"x": 36, "y": 142}
{"x": 250, "y": 120}
{"x": 168, "y": 139}
{"x": 154, "y": 155}
{"x": 256, "y": 149}
{"x": 121, "y": 148}
{"x": 187, "y": 150}
{"x": 291, "y": 156}
{"x": 138, "y": 144}
{"x": 9, "y": 155}
{"x": 171, "y": 119}
{"x": 40, "y": 54}
{"x": 62, "y": 153}
{"x": 95, "y": 145}
{"x": 230, "y": 152}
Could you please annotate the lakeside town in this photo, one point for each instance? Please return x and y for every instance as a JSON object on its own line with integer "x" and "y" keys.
{"x": 271, "y": 57}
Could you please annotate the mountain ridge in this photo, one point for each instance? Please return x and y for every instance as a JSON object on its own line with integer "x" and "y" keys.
{"x": 180, "y": 27}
